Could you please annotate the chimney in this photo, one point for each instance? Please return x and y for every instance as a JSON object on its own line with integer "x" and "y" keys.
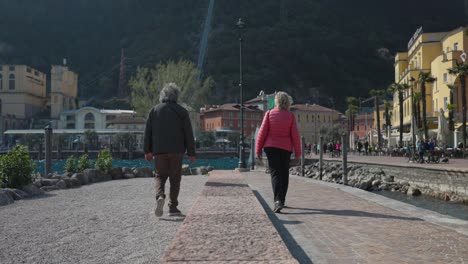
{"x": 64, "y": 61}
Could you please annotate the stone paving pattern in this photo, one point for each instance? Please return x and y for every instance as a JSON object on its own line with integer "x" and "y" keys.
{"x": 453, "y": 164}
{"x": 227, "y": 224}
{"x": 332, "y": 226}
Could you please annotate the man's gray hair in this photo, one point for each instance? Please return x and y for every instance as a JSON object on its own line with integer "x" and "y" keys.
{"x": 169, "y": 93}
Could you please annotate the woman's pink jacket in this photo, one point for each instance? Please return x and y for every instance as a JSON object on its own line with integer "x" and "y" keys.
{"x": 279, "y": 130}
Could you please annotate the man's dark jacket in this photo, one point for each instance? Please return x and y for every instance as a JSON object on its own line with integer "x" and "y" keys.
{"x": 168, "y": 130}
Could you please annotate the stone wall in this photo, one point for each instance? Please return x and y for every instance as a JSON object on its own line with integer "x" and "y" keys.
{"x": 439, "y": 181}
{"x": 449, "y": 184}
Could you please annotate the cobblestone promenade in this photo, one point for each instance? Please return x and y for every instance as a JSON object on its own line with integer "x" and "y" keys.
{"x": 453, "y": 164}
{"x": 326, "y": 223}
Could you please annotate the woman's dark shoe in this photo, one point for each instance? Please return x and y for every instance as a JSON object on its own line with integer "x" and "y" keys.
{"x": 173, "y": 211}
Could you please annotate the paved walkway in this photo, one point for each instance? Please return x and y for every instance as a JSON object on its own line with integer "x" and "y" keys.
{"x": 109, "y": 222}
{"x": 326, "y": 223}
{"x": 453, "y": 164}
{"x": 227, "y": 224}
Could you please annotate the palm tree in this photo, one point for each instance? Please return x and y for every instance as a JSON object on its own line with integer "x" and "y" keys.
{"x": 425, "y": 77}
{"x": 351, "y": 111}
{"x": 451, "y": 106}
{"x": 417, "y": 108}
{"x": 400, "y": 88}
{"x": 377, "y": 94}
{"x": 461, "y": 70}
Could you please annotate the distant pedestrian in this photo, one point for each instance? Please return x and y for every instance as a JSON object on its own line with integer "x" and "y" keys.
{"x": 168, "y": 135}
{"x": 278, "y": 136}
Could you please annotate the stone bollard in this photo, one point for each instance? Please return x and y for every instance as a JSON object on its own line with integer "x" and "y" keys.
{"x": 48, "y": 149}
{"x": 252, "y": 154}
{"x": 321, "y": 157}
{"x": 344, "y": 148}
{"x": 302, "y": 157}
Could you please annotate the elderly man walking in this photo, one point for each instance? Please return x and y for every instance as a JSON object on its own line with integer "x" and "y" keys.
{"x": 168, "y": 135}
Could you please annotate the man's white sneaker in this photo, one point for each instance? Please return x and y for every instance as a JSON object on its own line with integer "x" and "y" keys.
{"x": 159, "y": 207}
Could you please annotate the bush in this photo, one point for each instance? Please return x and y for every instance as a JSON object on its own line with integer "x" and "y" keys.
{"x": 71, "y": 165}
{"x": 16, "y": 168}
{"x": 104, "y": 160}
{"x": 83, "y": 163}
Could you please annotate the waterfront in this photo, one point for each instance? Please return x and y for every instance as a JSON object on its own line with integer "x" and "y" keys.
{"x": 457, "y": 210}
{"x": 219, "y": 164}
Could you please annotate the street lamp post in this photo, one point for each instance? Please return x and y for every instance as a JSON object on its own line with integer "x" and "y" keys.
{"x": 413, "y": 125}
{"x": 241, "y": 25}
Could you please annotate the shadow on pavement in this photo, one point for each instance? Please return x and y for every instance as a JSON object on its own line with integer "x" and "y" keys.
{"x": 295, "y": 249}
{"x": 346, "y": 213}
{"x": 225, "y": 184}
{"x": 42, "y": 196}
{"x": 175, "y": 219}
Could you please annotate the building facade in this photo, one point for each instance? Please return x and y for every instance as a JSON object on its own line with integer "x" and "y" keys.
{"x": 22, "y": 91}
{"x": 435, "y": 53}
{"x": 91, "y": 118}
{"x": 363, "y": 125}
{"x": 311, "y": 117}
{"x": 226, "y": 117}
{"x": 64, "y": 90}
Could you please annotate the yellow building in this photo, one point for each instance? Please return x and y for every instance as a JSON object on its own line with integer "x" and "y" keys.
{"x": 64, "y": 90}
{"x": 22, "y": 91}
{"x": 310, "y": 118}
{"x": 423, "y": 49}
{"x": 453, "y": 44}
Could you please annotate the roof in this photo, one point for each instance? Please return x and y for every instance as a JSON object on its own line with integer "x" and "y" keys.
{"x": 230, "y": 107}
{"x": 103, "y": 111}
{"x": 311, "y": 108}
{"x": 128, "y": 120}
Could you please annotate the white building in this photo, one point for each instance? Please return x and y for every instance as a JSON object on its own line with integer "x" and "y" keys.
{"x": 91, "y": 118}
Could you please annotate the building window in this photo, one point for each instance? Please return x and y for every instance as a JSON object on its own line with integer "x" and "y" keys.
{"x": 437, "y": 105}
{"x": 29, "y": 70}
{"x": 455, "y": 46}
{"x": 1, "y": 82}
{"x": 11, "y": 83}
{"x": 36, "y": 73}
{"x": 445, "y": 103}
{"x": 89, "y": 121}
{"x": 12, "y": 68}
{"x": 445, "y": 77}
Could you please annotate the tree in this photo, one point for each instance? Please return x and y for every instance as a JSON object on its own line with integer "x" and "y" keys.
{"x": 377, "y": 94}
{"x": 451, "y": 106}
{"x": 400, "y": 89}
{"x": 148, "y": 82}
{"x": 91, "y": 139}
{"x": 461, "y": 71}
{"x": 425, "y": 77}
{"x": 331, "y": 133}
{"x": 207, "y": 139}
{"x": 352, "y": 103}
{"x": 417, "y": 108}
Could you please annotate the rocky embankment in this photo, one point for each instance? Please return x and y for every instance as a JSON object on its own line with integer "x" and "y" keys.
{"x": 58, "y": 181}
{"x": 370, "y": 179}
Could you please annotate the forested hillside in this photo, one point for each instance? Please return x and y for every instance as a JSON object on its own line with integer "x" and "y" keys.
{"x": 312, "y": 48}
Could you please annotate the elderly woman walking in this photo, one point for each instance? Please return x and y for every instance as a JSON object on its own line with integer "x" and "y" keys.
{"x": 278, "y": 136}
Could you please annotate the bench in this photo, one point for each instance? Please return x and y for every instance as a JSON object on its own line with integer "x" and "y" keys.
{"x": 227, "y": 224}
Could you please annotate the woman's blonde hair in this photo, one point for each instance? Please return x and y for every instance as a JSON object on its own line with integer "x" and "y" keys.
{"x": 283, "y": 101}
